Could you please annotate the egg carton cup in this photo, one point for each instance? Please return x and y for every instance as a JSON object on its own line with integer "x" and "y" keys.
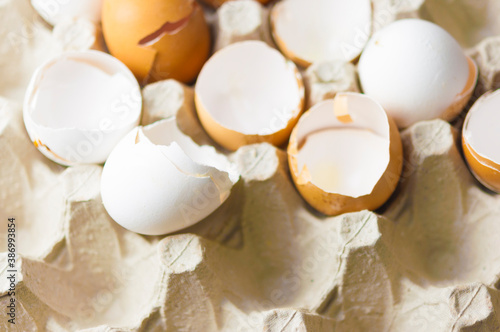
{"x": 265, "y": 260}
{"x": 242, "y": 20}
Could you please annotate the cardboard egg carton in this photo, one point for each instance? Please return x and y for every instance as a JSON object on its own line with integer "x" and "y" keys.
{"x": 265, "y": 260}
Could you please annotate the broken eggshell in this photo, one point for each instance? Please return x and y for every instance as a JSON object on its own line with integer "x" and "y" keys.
{"x": 480, "y": 137}
{"x": 56, "y": 11}
{"x": 249, "y": 93}
{"x": 157, "y": 39}
{"x": 321, "y": 30}
{"x": 345, "y": 155}
{"x": 158, "y": 181}
{"x": 79, "y": 105}
{"x": 417, "y": 71}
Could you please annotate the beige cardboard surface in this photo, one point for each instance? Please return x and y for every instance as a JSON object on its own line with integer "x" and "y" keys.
{"x": 264, "y": 261}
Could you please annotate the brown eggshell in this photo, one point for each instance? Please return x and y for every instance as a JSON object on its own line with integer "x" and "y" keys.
{"x": 335, "y": 204}
{"x": 486, "y": 170}
{"x": 284, "y": 49}
{"x": 231, "y": 139}
{"x": 282, "y": 45}
{"x": 182, "y": 42}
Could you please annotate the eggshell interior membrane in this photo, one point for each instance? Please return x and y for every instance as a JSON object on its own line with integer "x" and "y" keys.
{"x": 346, "y": 158}
{"x": 168, "y": 138}
{"x": 158, "y": 181}
{"x": 248, "y": 88}
{"x": 55, "y": 11}
{"x": 350, "y": 168}
{"x": 415, "y": 69}
{"x": 61, "y": 101}
{"x": 345, "y": 155}
{"x": 81, "y": 101}
{"x": 482, "y": 127}
{"x": 480, "y": 137}
{"x": 321, "y": 30}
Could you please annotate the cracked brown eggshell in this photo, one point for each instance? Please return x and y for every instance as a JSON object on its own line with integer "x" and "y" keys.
{"x": 157, "y": 39}
{"x": 480, "y": 137}
{"x": 345, "y": 155}
{"x": 249, "y": 93}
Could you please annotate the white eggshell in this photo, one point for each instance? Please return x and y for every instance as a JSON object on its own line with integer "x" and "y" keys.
{"x": 79, "y": 105}
{"x": 157, "y": 180}
{"x": 414, "y": 69}
{"x": 55, "y": 11}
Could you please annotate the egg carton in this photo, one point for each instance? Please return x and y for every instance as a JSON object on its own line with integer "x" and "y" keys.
{"x": 426, "y": 261}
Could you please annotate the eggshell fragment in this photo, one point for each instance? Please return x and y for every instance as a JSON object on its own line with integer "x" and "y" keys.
{"x": 157, "y": 39}
{"x": 242, "y": 20}
{"x": 249, "y": 93}
{"x": 345, "y": 155}
{"x": 321, "y": 30}
{"x": 480, "y": 140}
{"x": 157, "y": 180}
{"x": 79, "y": 105}
{"x": 417, "y": 71}
{"x": 56, "y": 11}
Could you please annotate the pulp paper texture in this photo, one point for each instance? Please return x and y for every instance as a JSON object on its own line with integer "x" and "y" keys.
{"x": 264, "y": 261}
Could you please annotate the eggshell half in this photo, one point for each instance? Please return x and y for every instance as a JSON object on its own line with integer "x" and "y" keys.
{"x": 56, "y": 11}
{"x": 79, "y": 105}
{"x": 249, "y": 93}
{"x": 345, "y": 155}
{"x": 416, "y": 71}
{"x": 480, "y": 140}
{"x": 157, "y": 180}
{"x": 321, "y": 30}
{"x": 157, "y": 39}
